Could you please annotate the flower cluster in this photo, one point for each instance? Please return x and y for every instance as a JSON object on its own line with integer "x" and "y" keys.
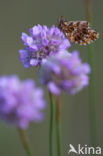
{"x": 64, "y": 71}
{"x": 42, "y": 43}
{"x": 21, "y": 102}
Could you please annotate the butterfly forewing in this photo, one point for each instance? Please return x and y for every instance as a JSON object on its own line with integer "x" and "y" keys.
{"x": 78, "y": 31}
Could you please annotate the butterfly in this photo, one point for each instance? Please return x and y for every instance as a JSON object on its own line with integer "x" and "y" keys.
{"x": 78, "y": 31}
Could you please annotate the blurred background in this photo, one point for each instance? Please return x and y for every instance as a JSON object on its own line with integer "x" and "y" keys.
{"x": 17, "y": 16}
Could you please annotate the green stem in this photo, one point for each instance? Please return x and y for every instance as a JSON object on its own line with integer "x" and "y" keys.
{"x": 92, "y": 84}
{"x": 92, "y": 100}
{"x": 51, "y": 130}
{"x": 58, "y": 124}
{"x": 25, "y": 142}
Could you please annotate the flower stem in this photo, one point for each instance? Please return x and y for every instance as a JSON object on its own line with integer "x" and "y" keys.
{"x": 25, "y": 142}
{"x": 51, "y": 130}
{"x": 92, "y": 84}
{"x": 58, "y": 124}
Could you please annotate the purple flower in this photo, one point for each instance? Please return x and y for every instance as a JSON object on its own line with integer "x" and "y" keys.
{"x": 64, "y": 71}
{"x": 21, "y": 102}
{"x": 41, "y": 43}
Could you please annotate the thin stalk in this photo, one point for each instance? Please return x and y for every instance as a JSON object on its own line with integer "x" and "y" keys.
{"x": 51, "y": 130}
{"x": 25, "y": 142}
{"x": 92, "y": 84}
{"x": 58, "y": 124}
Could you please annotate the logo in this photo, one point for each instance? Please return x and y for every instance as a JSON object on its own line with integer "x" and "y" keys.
{"x": 84, "y": 150}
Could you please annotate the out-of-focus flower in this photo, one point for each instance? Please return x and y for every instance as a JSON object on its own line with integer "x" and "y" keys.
{"x": 41, "y": 43}
{"x": 64, "y": 71}
{"x": 21, "y": 102}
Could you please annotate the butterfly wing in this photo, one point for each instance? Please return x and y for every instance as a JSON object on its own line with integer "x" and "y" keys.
{"x": 78, "y": 32}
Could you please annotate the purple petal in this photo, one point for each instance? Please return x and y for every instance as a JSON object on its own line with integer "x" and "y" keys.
{"x": 53, "y": 88}
{"x": 34, "y": 62}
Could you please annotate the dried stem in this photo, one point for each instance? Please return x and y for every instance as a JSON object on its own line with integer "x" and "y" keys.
{"x": 25, "y": 142}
